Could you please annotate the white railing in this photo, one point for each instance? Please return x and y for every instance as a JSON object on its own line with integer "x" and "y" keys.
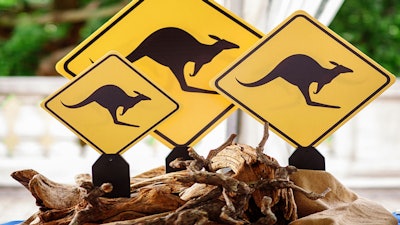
{"x": 30, "y": 138}
{"x": 21, "y": 119}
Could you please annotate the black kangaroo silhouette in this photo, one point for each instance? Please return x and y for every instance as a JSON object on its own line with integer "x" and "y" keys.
{"x": 302, "y": 70}
{"x": 111, "y": 97}
{"x": 174, "y": 47}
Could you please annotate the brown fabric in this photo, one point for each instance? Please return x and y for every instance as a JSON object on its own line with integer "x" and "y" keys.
{"x": 341, "y": 206}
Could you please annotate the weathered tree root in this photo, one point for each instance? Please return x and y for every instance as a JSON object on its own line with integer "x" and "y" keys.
{"x": 234, "y": 184}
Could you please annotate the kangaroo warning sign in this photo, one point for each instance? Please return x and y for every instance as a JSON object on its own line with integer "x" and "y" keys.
{"x": 303, "y": 79}
{"x": 180, "y": 46}
{"x": 111, "y": 105}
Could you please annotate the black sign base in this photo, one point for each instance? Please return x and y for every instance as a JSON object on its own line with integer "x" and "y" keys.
{"x": 307, "y": 158}
{"x": 112, "y": 168}
{"x": 177, "y": 152}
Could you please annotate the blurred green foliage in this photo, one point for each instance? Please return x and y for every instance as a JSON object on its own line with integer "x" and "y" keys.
{"x": 21, "y": 53}
{"x": 373, "y": 26}
{"x": 27, "y": 42}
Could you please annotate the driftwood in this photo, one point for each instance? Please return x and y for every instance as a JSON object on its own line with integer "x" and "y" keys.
{"x": 235, "y": 184}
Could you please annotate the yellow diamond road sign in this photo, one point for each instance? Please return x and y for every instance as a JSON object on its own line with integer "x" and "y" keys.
{"x": 304, "y": 79}
{"x": 111, "y": 105}
{"x": 180, "y": 46}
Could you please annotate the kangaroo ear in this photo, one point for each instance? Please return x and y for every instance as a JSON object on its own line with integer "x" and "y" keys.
{"x": 214, "y": 37}
{"x": 334, "y": 63}
{"x": 137, "y": 92}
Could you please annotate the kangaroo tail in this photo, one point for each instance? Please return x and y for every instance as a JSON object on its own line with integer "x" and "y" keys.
{"x": 269, "y": 77}
{"x": 80, "y": 104}
{"x": 135, "y": 54}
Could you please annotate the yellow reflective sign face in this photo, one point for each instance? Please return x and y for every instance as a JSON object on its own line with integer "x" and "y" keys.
{"x": 111, "y": 105}
{"x": 303, "y": 79}
{"x": 180, "y": 46}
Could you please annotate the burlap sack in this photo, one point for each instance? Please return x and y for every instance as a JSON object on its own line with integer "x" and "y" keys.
{"x": 340, "y": 207}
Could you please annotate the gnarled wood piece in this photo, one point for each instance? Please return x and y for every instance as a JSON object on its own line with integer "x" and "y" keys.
{"x": 49, "y": 194}
{"x": 24, "y": 176}
{"x": 234, "y": 184}
{"x": 145, "y": 202}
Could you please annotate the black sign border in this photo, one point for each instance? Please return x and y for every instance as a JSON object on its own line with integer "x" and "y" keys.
{"x": 348, "y": 47}
{"x": 128, "y": 11}
{"x": 88, "y": 72}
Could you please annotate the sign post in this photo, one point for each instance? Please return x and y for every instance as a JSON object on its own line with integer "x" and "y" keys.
{"x": 307, "y": 158}
{"x": 306, "y": 81}
{"x": 176, "y": 153}
{"x": 112, "y": 168}
{"x": 180, "y": 46}
{"x": 111, "y": 106}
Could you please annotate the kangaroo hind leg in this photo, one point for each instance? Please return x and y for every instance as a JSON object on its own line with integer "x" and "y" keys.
{"x": 180, "y": 76}
{"x": 306, "y": 94}
{"x": 116, "y": 121}
{"x": 197, "y": 67}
